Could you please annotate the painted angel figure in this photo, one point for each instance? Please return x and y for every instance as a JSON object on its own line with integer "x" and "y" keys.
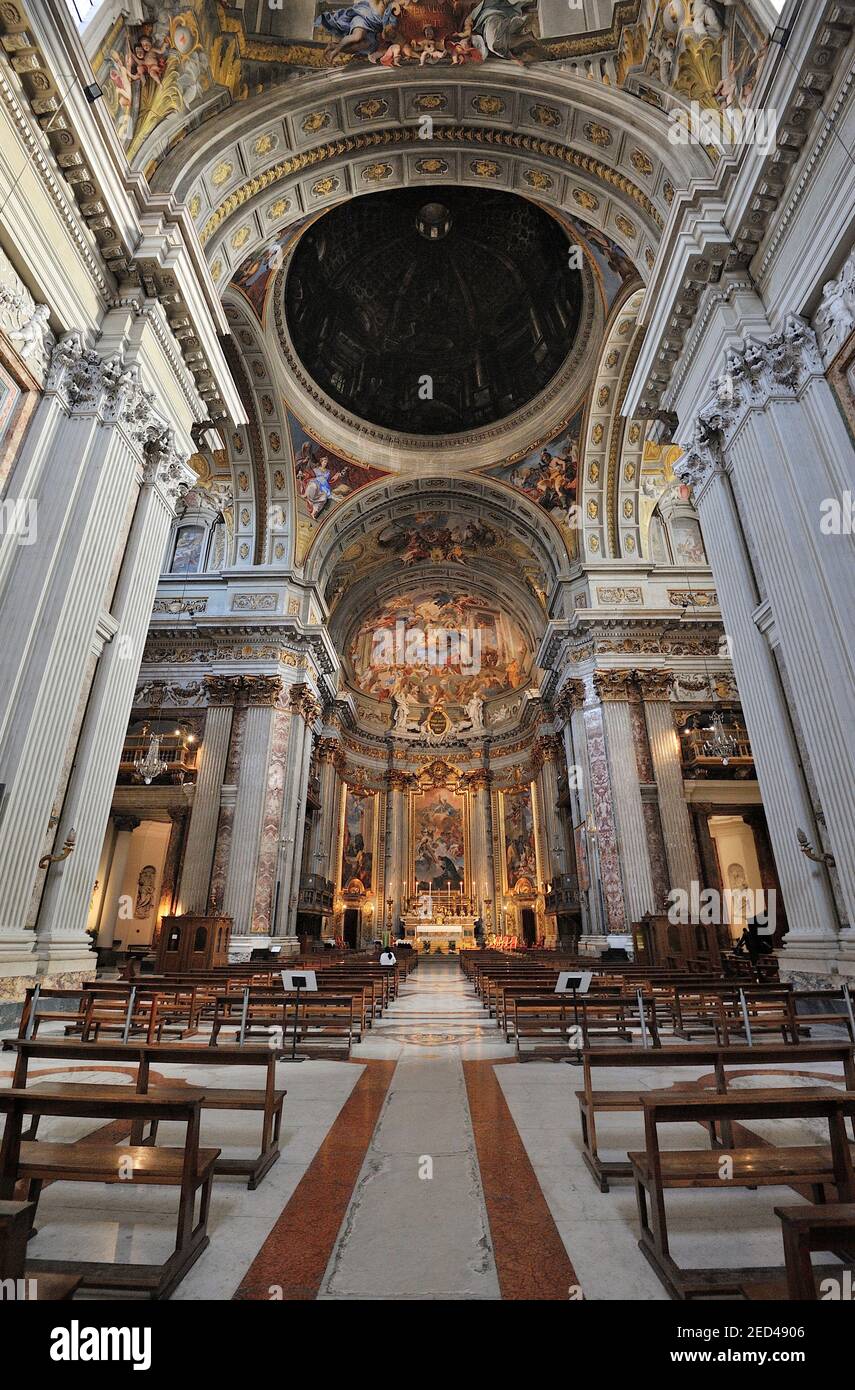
{"x": 358, "y": 28}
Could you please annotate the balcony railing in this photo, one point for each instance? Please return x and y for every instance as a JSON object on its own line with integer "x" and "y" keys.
{"x": 180, "y": 760}
{"x": 697, "y": 763}
{"x": 316, "y": 894}
{"x": 563, "y": 895}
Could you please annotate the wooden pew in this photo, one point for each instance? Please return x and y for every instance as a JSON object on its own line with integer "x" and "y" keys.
{"x": 656, "y": 1170}
{"x": 17, "y": 1280}
{"x": 324, "y": 1023}
{"x": 189, "y": 1168}
{"x": 266, "y": 1100}
{"x": 593, "y": 1102}
{"x": 543, "y": 1023}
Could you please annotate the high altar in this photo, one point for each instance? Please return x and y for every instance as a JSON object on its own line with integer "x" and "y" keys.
{"x": 437, "y": 918}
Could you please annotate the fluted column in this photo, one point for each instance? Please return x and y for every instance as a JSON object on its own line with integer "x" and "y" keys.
{"x": 205, "y": 813}
{"x": 616, "y": 689}
{"x": 792, "y": 463}
{"x": 786, "y": 800}
{"x": 80, "y": 467}
{"x": 654, "y": 687}
{"x": 61, "y": 922}
{"x": 396, "y": 855}
{"x": 260, "y": 693}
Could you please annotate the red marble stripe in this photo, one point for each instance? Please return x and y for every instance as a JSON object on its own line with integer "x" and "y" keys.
{"x": 531, "y": 1260}
{"x": 294, "y": 1257}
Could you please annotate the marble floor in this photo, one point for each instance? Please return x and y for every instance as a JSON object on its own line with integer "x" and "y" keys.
{"x": 432, "y": 1166}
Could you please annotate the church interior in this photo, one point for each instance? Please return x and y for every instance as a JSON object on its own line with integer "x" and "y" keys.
{"x": 428, "y": 695}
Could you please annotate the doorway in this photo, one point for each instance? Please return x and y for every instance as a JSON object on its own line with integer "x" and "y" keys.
{"x": 529, "y": 925}
{"x": 351, "y": 927}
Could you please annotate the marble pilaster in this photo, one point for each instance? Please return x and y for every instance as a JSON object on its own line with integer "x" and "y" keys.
{"x": 260, "y": 693}
{"x": 616, "y": 689}
{"x": 664, "y": 745}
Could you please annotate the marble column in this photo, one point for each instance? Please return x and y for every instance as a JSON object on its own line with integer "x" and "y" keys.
{"x": 786, "y": 800}
{"x": 61, "y": 935}
{"x": 791, "y": 461}
{"x": 547, "y": 751}
{"x": 396, "y": 854}
{"x": 571, "y": 724}
{"x": 169, "y": 903}
{"x": 260, "y": 693}
{"x": 79, "y": 474}
{"x": 124, "y": 827}
{"x": 205, "y": 812}
{"x": 654, "y": 687}
{"x": 616, "y": 689}
{"x": 481, "y": 886}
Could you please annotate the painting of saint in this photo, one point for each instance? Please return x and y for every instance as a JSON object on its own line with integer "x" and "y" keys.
{"x": 356, "y": 852}
{"x": 520, "y": 853}
{"x": 439, "y": 841}
{"x": 253, "y": 277}
{"x": 688, "y": 546}
{"x": 188, "y": 550}
{"x": 323, "y": 479}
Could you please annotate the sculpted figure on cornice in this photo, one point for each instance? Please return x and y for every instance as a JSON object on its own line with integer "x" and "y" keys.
{"x": 24, "y": 322}
{"x": 834, "y": 320}
{"x": 152, "y": 694}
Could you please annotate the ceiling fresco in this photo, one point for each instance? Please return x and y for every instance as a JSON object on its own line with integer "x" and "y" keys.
{"x": 549, "y": 476}
{"x": 189, "y": 60}
{"x": 431, "y": 537}
{"x": 323, "y": 480}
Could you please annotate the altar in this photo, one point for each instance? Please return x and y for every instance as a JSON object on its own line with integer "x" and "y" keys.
{"x": 440, "y": 918}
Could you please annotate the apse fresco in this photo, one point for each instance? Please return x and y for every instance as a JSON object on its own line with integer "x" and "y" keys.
{"x": 438, "y": 646}
{"x": 548, "y": 475}
{"x": 436, "y": 537}
{"x": 356, "y": 852}
{"x": 520, "y": 853}
{"x": 439, "y": 841}
{"x": 323, "y": 480}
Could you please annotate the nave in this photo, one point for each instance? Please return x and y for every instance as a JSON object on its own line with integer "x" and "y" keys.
{"x": 448, "y": 1156}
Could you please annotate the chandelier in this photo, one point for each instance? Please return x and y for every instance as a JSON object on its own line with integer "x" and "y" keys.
{"x": 720, "y": 744}
{"x": 149, "y": 764}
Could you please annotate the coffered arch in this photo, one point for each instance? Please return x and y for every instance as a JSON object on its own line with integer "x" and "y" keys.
{"x": 251, "y": 171}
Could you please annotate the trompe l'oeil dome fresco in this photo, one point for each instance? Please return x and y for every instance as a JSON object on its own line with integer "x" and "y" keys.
{"x": 433, "y": 310}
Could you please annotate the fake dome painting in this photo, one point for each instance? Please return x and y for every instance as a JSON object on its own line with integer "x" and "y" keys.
{"x": 433, "y": 310}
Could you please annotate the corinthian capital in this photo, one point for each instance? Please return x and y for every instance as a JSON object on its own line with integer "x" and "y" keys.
{"x": 304, "y": 703}
{"x": 570, "y": 697}
{"x": 616, "y": 685}
{"x": 654, "y": 685}
{"x": 222, "y": 690}
{"x": 703, "y": 458}
{"x": 260, "y": 690}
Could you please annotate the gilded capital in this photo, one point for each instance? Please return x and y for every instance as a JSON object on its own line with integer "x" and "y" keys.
{"x": 260, "y": 690}
{"x": 654, "y": 685}
{"x": 221, "y": 690}
{"x": 570, "y": 697}
{"x": 616, "y": 685}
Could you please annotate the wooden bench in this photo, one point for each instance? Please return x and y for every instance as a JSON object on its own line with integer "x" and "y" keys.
{"x": 17, "y": 1280}
{"x": 593, "y": 1102}
{"x": 552, "y": 1027}
{"x": 189, "y": 1168}
{"x": 324, "y": 1022}
{"x": 267, "y": 1099}
{"x": 813, "y": 1166}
